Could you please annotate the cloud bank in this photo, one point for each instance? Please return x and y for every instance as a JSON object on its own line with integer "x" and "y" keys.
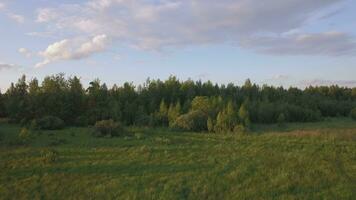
{"x": 261, "y": 26}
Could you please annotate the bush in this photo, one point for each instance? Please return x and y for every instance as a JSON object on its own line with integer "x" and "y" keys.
{"x": 49, "y": 156}
{"x": 240, "y": 129}
{"x": 81, "y": 121}
{"x": 192, "y": 121}
{"x": 50, "y": 123}
{"x": 24, "y": 135}
{"x": 210, "y": 125}
{"x": 353, "y": 114}
{"x": 281, "y": 120}
{"x": 33, "y": 125}
{"x": 108, "y": 128}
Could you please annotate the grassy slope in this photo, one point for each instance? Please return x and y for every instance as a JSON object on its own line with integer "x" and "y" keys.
{"x": 299, "y": 161}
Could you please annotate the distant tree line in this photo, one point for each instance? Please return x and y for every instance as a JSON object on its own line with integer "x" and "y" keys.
{"x": 186, "y": 105}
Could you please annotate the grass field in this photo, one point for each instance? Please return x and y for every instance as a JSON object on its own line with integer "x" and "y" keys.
{"x": 298, "y": 161}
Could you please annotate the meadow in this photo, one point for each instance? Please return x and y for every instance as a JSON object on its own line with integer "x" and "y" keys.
{"x": 295, "y": 161}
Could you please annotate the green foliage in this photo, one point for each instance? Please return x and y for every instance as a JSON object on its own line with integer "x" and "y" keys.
{"x": 210, "y": 125}
{"x": 281, "y": 119}
{"x": 173, "y": 113}
{"x": 160, "y": 118}
{"x": 160, "y": 103}
{"x": 49, "y": 156}
{"x": 50, "y": 123}
{"x": 201, "y": 103}
{"x": 108, "y": 128}
{"x": 226, "y": 119}
{"x": 2, "y": 105}
{"x": 353, "y": 113}
{"x": 24, "y": 135}
{"x": 244, "y": 115}
{"x": 240, "y": 129}
{"x": 192, "y": 121}
{"x": 81, "y": 121}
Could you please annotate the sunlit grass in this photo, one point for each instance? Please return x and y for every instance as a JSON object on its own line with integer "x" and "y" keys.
{"x": 298, "y": 161}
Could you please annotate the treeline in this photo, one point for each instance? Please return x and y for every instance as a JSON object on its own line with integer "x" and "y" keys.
{"x": 188, "y": 105}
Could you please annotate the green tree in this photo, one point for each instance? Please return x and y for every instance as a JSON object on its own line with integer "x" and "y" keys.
{"x": 210, "y": 125}
{"x": 2, "y": 106}
{"x": 281, "y": 120}
{"x": 17, "y": 101}
{"x": 353, "y": 113}
{"x": 174, "y": 112}
{"x": 244, "y": 115}
{"x": 226, "y": 119}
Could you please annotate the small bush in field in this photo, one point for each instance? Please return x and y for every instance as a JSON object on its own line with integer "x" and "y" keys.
{"x": 50, "y": 123}
{"x": 108, "y": 128}
{"x": 240, "y": 129}
{"x": 33, "y": 125}
{"x": 139, "y": 136}
{"x": 353, "y": 113}
{"x": 49, "y": 156}
{"x": 24, "y": 135}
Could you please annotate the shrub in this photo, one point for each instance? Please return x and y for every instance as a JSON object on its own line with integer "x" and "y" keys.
{"x": 210, "y": 125}
{"x": 81, "y": 121}
{"x": 240, "y": 129}
{"x": 49, "y": 156}
{"x": 281, "y": 119}
{"x": 50, "y": 123}
{"x": 108, "y": 128}
{"x": 192, "y": 121}
{"x": 24, "y": 135}
{"x": 139, "y": 136}
{"x": 353, "y": 114}
{"x": 33, "y": 125}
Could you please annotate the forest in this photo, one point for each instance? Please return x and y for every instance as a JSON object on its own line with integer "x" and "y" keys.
{"x": 181, "y": 105}
{"x": 175, "y": 139}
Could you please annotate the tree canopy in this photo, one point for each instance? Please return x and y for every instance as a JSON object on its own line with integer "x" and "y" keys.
{"x": 191, "y": 105}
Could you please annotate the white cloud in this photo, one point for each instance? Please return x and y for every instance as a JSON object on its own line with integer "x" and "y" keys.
{"x": 323, "y": 82}
{"x": 18, "y": 18}
{"x": 4, "y": 66}
{"x": 155, "y": 25}
{"x": 27, "y": 53}
{"x": 46, "y": 15}
{"x": 2, "y": 6}
{"x": 328, "y": 43}
{"x": 72, "y": 49}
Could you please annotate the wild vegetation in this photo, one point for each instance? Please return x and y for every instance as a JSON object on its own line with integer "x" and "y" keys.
{"x": 184, "y": 105}
{"x": 296, "y": 161}
{"x": 176, "y": 140}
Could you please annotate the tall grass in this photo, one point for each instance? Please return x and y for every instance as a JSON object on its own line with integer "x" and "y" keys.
{"x": 301, "y": 161}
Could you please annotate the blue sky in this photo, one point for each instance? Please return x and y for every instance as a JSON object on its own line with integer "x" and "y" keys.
{"x": 279, "y": 42}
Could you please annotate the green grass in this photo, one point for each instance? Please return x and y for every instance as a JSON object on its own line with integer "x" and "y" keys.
{"x": 297, "y": 161}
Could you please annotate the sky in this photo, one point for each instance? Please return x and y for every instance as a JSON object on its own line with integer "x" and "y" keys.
{"x": 276, "y": 42}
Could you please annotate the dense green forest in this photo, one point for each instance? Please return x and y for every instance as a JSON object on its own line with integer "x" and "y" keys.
{"x": 188, "y": 105}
